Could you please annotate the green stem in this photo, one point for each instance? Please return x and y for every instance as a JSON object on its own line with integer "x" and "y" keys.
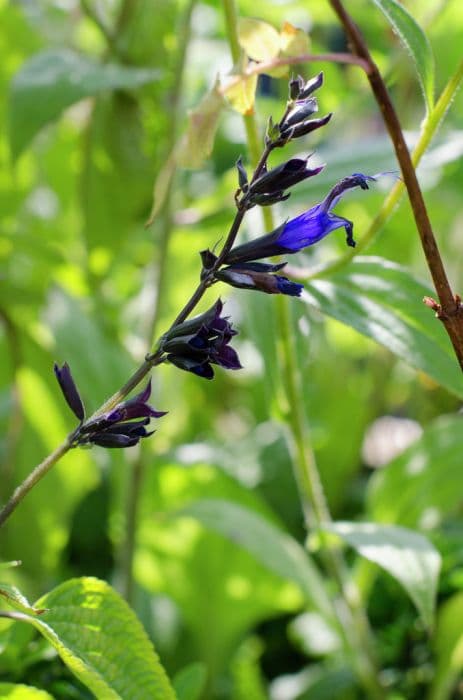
{"x": 35, "y": 476}
{"x": 138, "y": 468}
{"x": 357, "y": 637}
{"x": 428, "y": 131}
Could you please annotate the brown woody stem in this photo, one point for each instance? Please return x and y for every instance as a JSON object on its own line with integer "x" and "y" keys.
{"x": 452, "y": 311}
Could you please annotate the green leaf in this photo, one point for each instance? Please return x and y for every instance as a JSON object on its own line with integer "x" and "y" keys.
{"x": 416, "y": 43}
{"x": 189, "y": 682}
{"x": 101, "y": 641}
{"x": 260, "y": 40}
{"x": 267, "y": 543}
{"x": 424, "y": 484}
{"x": 13, "y": 691}
{"x": 15, "y": 598}
{"x": 383, "y": 301}
{"x": 205, "y": 575}
{"x": 54, "y": 79}
{"x": 406, "y": 555}
{"x": 448, "y": 643}
{"x": 197, "y": 144}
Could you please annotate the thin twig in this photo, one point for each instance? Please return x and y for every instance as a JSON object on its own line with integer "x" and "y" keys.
{"x": 450, "y": 309}
{"x": 281, "y": 61}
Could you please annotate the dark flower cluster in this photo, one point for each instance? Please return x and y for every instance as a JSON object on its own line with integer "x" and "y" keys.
{"x": 201, "y": 342}
{"x": 122, "y": 426}
{"x": 197, "y": 344}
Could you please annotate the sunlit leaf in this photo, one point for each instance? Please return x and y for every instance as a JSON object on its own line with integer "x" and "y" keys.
{"x": 448, "y": 643}
{"x": 57, "y": 78}
{"x": 415, "y": 41}
{"x": 241, "y": 93}
{"x": 270, "y": 545}
{"x": 197, "y": 144}
{"x": 293, "y": 40}
{"x": 406, "y": 555}
{"x": 101, "y": 641}
{"x": 260, "y": 40}
{"x": 381, "y": 300}
{"x": 13, "y": 691}
{"x": 424, "y": 484}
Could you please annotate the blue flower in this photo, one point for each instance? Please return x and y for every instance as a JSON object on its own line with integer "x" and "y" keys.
{"x": 304, "y": 230}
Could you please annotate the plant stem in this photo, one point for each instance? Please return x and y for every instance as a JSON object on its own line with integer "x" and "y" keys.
{"x": 428, "y": 131}
{"x": 451, "y": 310}
{"x": 138, "y": 467}
{"x": 357, "y": 639}
{"x": 35, "y": 476}
{"x": 156, "y": 357}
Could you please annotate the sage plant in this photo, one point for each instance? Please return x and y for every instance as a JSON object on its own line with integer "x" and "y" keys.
{"x": 195, "y": 344}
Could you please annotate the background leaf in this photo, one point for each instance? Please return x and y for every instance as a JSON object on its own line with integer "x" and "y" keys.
{"x": 259, "y": 39}
{"x": 381, "y": 300}
{"x": 448, "y": 644}
{"x": 53, "y": 80}
{"x": 13, "y": 691}
{"x": 415, "y": 41}
{"x": 189, "y": 682}
{"x": 424, "y": 484}
{"x": 406, "y": 555}
{"x": 198, "y": 141}
{"x": 274, "y": 548}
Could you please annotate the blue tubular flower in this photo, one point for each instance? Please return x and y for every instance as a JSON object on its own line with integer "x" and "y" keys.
{"x": 255, "y": 275}
{"x": 197, "y": 344}
{"x": 122, "y": 426}
{"x": 304, "y": 230}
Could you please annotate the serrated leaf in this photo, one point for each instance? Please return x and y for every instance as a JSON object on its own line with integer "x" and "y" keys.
{"x": 260, "y": 40}
{"x": 241, "y": 94}
{"x": 406, "y": 555}
{"x": 425, "y": 483}
{"x": 17, "y": 600}
{"x": 383, "y": 301}
{"x": 277, "y": 550}
{"x": 18, "y": 691}
{"x": 293, "y": 41}
{"x": 196, "y": 146}
{"x": 54, "y": 79}
{"x": 101, "y": 641}
{"x": 189, "y": 682}
{"x": 448, "y": 643}
{"x": 416, "y": 43}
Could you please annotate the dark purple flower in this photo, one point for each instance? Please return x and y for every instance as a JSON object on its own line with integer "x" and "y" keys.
{"x": 202, "y": 341}
{"x": 255, "y": 275}
{"x": 299, "y": 90}
{"x": 283, "y": 176}
{"x": 304, "y": 230}
{"x": 304, "y": 128}
{"x": 69, "y": 389}
{"x": 122, "y": 426}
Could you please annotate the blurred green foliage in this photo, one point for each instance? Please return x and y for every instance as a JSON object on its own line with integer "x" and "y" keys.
{"x": 84, "y": 280}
